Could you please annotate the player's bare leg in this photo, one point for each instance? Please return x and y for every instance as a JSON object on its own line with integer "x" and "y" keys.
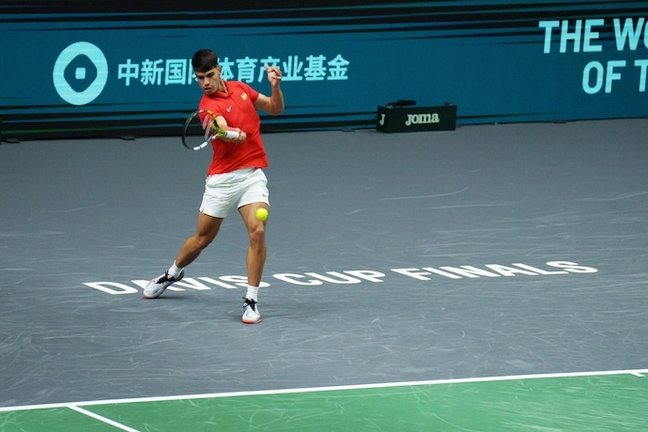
{"x": 206, "y": 230}
{"x": 255, "y": 259}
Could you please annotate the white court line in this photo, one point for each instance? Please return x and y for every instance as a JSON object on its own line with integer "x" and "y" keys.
{"x": 636, "y": 372}
{"x": 102, "y": 418}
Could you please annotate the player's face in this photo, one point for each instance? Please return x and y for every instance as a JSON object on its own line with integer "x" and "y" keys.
{"x": 209, "y": 81}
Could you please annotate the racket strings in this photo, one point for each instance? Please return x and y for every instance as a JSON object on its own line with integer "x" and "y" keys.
{"x": 199, "y": 130}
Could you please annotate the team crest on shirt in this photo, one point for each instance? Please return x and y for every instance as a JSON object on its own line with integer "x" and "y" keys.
{"x": 244, "y": 96}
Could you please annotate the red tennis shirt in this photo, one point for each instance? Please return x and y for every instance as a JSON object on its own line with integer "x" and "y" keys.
{"x": 237, "y": 106}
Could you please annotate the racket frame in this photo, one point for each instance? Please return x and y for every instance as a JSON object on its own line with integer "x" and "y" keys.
{"x": 207, "y": 137}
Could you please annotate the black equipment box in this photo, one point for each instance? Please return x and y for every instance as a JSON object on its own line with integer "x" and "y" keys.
{"x": 416, "y": 119}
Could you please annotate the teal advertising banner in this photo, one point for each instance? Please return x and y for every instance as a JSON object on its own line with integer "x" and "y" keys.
{"x": 72, "y": 68}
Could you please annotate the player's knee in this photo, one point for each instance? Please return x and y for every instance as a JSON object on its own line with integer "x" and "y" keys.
{"x": 201, "y": 242}
{"x": 257, "y": 235}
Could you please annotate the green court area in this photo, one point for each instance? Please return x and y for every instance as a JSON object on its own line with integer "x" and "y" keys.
{"x": 615, "y": 401}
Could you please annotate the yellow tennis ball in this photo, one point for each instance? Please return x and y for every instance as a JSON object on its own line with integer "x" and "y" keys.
{"x": 262, "y": 214}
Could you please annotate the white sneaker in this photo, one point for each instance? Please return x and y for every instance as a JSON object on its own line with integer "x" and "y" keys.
{"x": 156, "y": 287}
{"x": 250, "y": 312}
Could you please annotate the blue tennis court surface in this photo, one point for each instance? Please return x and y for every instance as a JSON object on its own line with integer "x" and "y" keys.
{"x": 440, "y": 263}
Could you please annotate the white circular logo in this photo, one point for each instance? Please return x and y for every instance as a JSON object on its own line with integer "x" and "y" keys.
{"x": 80, "y": 73}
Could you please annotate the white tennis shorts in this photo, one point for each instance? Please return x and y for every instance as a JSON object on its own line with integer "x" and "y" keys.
{"x": 238, "y": 188}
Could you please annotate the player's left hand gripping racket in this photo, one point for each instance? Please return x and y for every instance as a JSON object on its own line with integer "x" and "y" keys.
{"x": 199, "y": 129}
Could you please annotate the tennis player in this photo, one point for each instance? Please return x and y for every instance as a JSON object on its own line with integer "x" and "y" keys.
{"x": 235, "y": 177}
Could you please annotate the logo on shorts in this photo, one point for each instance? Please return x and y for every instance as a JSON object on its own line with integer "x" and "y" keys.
{"x": 80, "y": 73}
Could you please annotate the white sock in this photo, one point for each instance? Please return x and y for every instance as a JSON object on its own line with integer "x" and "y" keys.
{"x": 174, "y": 270}
{"x": 252, "y": 293}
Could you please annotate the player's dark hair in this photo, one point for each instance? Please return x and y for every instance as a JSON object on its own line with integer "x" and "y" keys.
{"x": 204, "y": 60}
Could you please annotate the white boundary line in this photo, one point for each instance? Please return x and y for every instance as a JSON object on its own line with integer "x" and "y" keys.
{"x": 634, "y": 372}
{"x": 102, "y": 419}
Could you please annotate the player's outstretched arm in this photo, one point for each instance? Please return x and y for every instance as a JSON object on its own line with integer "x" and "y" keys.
{"x": 273, "y": 104}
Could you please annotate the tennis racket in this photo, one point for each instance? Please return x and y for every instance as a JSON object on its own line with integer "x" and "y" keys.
{"x": 200, "y": 129}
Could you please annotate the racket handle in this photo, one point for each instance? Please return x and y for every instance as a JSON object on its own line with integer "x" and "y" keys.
{"x": 229, "y": 134}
